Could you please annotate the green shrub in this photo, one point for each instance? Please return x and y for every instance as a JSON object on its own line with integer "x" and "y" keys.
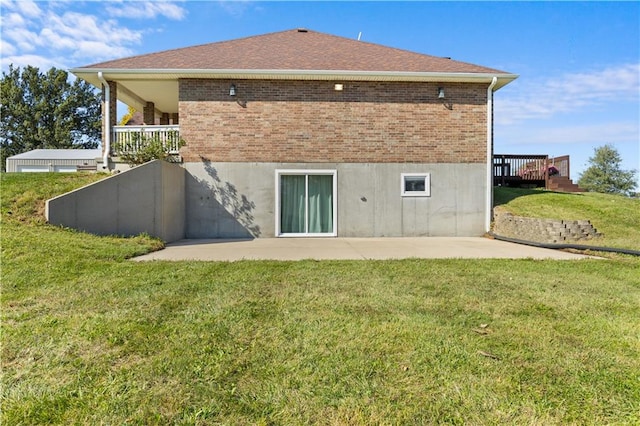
{"x": 149, "y": 148}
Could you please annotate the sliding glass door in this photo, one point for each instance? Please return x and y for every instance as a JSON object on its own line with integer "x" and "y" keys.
{"x": 293, "y": 193}
{"x": 306, "y": 202}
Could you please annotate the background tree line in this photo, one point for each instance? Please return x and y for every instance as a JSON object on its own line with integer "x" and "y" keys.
{"x": 46, "y": 111}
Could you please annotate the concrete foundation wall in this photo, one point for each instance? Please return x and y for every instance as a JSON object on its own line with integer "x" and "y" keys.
{"x": 148, "y": 198}
{"x": 237, "y": 200}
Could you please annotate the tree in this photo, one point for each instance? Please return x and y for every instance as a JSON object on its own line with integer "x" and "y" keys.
{"x": 44, "y": 110}
{"x": 125, "y": 118}
{"x": 605, "y": 173}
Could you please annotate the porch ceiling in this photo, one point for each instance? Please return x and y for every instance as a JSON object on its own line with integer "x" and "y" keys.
{"x": 137, "y": 89}
{"x": 163, "y": 93}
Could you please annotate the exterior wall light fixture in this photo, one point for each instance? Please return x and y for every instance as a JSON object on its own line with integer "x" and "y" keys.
{"x": 447, "y": 104}
{"x": 338, "y": 87}
{"x": 232, "y": 90}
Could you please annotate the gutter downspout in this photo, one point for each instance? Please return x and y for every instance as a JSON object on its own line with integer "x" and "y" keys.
{"x": 489, "y": 201}
{"x": 107, "y": 118}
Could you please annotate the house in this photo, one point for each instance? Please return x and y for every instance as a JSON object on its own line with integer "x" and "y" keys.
{"x": 54, "y": 160}
{"x": 301, "y": 133}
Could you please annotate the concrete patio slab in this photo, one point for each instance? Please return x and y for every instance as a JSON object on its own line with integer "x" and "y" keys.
{"x": 352, "y": 249}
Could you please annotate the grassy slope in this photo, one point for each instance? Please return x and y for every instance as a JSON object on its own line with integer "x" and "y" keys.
{"x": 617, "y": 217}
{"x": 88, "y": 337}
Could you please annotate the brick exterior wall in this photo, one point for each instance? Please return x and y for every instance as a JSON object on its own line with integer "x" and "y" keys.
{"x": 308, "y": 121}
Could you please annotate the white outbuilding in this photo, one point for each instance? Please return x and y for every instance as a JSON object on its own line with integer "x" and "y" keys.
{"x": 54, "y": 160}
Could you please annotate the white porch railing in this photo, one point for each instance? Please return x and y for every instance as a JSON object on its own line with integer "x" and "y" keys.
{"x": 129, "y": 139}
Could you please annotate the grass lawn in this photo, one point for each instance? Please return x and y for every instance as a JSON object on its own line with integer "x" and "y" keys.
{"x": 617, "y": 217}
{"x": 89, "y": 337}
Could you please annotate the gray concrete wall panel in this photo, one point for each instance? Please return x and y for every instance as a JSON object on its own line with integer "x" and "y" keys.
{"x": 359, "y": 200}
{"x": 148, "y": 198}
{"x": 223, "y": 200}
{"x": 173, "y": 202}
{"x": 237, "y": 200}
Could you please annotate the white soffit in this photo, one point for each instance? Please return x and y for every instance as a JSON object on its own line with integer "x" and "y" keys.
{"x": 161, "y": 86}
{"x": 90, "y": 74}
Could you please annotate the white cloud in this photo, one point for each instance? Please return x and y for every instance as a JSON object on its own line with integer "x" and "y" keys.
{"x": 552, "y": 95}
{"x": 41, "y": 62}
{"x": 28, "y": 8}
{"x": 235, "y": 7}
{"x": 23, "y": 39}
{"x": 571, "y": 114}
{"x": 146, "y": 10}
{"x": 13, "y": 20}
{"x": 7, "y": 49}
{"x": 88, "y": 48}
{"x": 75, "y": 33}
{"x": 600, "y": 133}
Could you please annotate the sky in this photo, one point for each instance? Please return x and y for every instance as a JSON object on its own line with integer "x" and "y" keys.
{"x": 578, "y": 62}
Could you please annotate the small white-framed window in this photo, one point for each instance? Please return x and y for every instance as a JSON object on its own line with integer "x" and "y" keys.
{"x": 415, "y": 185}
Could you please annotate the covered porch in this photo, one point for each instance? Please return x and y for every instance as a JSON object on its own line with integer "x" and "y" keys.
{"x": 155, "y": 98}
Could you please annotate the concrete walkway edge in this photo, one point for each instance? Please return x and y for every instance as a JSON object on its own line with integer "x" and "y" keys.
{"x": 352, "y": 249}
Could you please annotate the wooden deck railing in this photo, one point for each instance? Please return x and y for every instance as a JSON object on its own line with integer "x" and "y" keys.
{"x": 129, "y": 139}
{"x": 562, "y": 165}
{"x": 532, "y": 170}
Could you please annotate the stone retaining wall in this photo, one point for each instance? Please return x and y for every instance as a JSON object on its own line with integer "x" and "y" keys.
{"x": 543, "y": 230}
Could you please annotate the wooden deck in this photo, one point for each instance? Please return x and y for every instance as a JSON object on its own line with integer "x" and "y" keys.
{"x": 533, "y": 171}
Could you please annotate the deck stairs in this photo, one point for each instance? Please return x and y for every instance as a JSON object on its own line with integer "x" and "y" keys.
{"x": 563, "y": 184}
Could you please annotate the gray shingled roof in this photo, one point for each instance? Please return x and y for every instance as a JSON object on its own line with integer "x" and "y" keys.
{"x": 290, "y": 55}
